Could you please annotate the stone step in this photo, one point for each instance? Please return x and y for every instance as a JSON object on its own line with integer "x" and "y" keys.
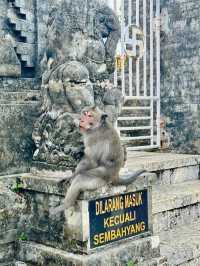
{"x": 8, "y": 263}
{"x": 182, "y": 245}
{"x": 170, "y": 168}
{"x": 15, "y": 11}
{"x": 28, "y": 5}
{"x": 175, "y": 205}
{"x": 161, "y": 261}
{"x": 139, "y": 250}
{"x": 21, "y": 25}
{"x": 19, "y": 97}
{"x": 19, "y": 84}
{"x": 25, "y": 48}
{"x": 194, "y": 262}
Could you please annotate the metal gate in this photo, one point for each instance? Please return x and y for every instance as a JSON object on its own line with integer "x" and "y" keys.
{"x": 138, "y": 72}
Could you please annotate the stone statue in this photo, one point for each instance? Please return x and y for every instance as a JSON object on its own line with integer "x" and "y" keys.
{"x": 79, "y": 59}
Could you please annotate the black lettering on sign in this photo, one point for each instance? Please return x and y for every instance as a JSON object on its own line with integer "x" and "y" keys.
{"x": 118, "y": 217}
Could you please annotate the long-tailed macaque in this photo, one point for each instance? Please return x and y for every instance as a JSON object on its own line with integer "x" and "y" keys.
{"x": 103, "y": 159}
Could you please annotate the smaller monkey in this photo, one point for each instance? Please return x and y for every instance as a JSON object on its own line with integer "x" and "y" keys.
{"x": 103, "y": 158}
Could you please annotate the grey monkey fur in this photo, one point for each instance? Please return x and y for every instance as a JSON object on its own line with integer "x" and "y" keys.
{"x": 102, "y": 161}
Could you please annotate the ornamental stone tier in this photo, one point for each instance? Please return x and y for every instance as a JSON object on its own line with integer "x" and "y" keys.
{"x": 76, "y": 67}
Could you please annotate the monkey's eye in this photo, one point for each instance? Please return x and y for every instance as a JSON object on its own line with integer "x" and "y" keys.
{"x": 90, "y": 116}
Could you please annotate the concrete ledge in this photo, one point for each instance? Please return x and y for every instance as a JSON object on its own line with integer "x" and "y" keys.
{"x": 171, "y": 197}
{"x": 138, "y": 250}
{"x": 49, "y": 182}
{"x": 155, "y": 161}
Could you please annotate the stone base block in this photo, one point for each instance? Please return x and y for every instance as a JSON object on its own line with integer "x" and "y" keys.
{"x": 137, "y": 252}
{"x": 45, "y": 192}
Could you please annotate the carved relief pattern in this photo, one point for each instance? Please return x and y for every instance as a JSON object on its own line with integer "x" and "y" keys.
{"x": 81, "y": 41}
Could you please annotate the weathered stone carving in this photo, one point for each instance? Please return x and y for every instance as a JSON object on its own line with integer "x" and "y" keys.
{"x": 9, "y": 63}
{"x": 81, "y": 40}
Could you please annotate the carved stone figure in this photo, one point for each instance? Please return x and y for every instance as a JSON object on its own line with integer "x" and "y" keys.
{"x": 81, "y": 41}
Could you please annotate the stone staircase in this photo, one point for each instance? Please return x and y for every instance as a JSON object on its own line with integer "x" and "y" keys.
{"x": 175, "y": 208}
{"x": 22, "y": 24}
{"x": 135, "y": 124}
{"x": 176, "y": 204}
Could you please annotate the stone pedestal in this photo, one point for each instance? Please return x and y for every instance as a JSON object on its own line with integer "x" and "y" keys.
{"x": 109, "y": 216}
{"x": 44, "y": 192}
{"x": 109, "y": 226}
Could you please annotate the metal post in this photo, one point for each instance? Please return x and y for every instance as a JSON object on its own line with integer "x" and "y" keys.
{"x": 137, "y": 60}
{"x": 151, "y": 69}
{"x": 122, "y": 47}
{"x": 130, "y": 61}
{"x": 145, "y": 46}
{"x": 158, "y": 68}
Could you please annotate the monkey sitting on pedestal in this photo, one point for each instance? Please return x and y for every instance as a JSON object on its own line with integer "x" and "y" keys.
{"x": 103, "y": 159}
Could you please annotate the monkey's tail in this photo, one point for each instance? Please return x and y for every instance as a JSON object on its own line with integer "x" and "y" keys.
{"x": 130, "y": 177}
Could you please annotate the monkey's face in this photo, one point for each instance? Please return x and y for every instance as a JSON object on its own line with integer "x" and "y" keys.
{"x": 91, "y": 119}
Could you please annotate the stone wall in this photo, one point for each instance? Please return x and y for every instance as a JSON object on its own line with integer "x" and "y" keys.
{"x": 180, "y": 68}
{"x": 19, "y": 94}
{"x": 19, "y": 101}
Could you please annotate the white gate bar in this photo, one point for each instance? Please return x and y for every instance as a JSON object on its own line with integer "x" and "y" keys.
{"x": 122, "y": 47}
{"x": 130, "y": 60}
{"x": 117, "y": 5}
{"x": 138, "y": 148}
{"x": 111, "y": 4}
{"x": 136, "y": 108}
{"x": 141, "y": 98}
{"x": 145, "y": 46}
{"x": 137, "y": 60}
{"x": 151, "y": 66}
{"x": 115, "y": 74}
{"x": 135, "y": 138}
{"x": 134, "y": 128}
{"x": 123, "y": 118}
{"x": 158, "y": 68}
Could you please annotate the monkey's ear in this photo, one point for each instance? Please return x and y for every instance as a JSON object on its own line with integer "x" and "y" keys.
{"x": 104, "y": 116}
{"x": 94, "y": 107}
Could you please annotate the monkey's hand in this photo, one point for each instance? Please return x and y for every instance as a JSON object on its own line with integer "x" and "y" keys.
{"x": 84, "y": 165}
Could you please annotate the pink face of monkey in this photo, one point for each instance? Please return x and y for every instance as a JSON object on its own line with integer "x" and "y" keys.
{"x": 86, "y": 121}
{"x": 91, "y": 119}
